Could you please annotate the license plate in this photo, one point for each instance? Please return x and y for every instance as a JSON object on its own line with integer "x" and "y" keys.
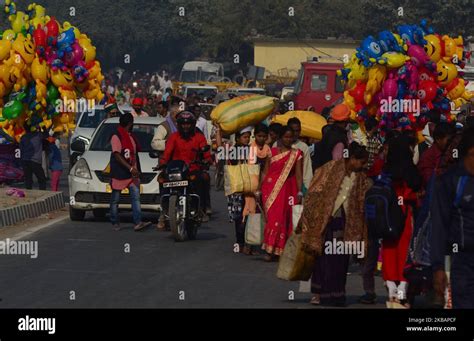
{"x": 175, "y": 184}
{"x": 108, "y": 189}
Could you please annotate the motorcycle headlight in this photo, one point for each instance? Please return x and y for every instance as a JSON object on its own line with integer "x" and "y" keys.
{"x": 82, "y": 170}
{"x": 175, "y": 177}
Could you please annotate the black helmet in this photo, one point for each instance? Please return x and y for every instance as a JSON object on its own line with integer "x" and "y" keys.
{"x": 185, "y": 117}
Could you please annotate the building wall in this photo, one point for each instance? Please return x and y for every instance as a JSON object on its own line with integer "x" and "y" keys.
{"x": 274, "y": 55}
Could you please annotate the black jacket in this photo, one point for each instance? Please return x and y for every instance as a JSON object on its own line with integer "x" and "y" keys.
{"x": 323, "y": 149}
{"x": 453, "y": 225}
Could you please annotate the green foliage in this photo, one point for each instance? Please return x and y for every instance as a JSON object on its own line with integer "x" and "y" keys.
{"x": 154, "y": 34}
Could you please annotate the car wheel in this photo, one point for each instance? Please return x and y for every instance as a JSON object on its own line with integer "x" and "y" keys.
{"x": 76, "y": 215}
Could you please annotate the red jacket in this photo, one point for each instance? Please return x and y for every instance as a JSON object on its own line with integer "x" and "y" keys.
{"x": 178, "y": 148}
{"x": 428, "y": 162}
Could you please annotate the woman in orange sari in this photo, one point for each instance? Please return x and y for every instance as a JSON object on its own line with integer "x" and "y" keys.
{"x": 280, "y": 190}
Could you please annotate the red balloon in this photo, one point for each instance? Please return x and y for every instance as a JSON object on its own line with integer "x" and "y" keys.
{"x": 52, "y": 31}
{"x": 358, "y": 92}
{"x": 427, "y": 91}
{"x": 39, "y": 37}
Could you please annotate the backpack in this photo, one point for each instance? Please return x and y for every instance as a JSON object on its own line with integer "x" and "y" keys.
{"x": 385, "y": 218}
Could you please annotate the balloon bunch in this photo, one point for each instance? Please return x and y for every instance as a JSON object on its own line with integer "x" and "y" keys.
{"x": 397, "y": 77}
{"x": 44, "y": 67}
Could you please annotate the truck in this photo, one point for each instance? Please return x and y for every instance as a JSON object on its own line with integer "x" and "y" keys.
{"x": 203, "y": 73}
{"x": 318, "y": 86}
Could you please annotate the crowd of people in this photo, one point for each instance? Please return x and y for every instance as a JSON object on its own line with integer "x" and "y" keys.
{"x": 151, "y": 90}
{"x": 432, "y": 183}
{"x": 431, "y": 179}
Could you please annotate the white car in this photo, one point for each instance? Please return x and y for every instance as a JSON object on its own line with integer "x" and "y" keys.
{"x": 87, "y": 122}
{"x": 203, "y": 91}
{"x": 89, "y": 186}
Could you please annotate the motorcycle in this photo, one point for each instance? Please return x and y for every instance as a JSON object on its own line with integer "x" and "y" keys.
{"x": 180, "y": 203}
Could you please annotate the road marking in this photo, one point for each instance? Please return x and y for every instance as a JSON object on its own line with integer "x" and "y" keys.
{"x": 31, "y": 230}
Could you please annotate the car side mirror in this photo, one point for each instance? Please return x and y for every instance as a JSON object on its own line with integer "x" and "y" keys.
{"x": 154, "y": 154}
{"x": 78, "y": 146}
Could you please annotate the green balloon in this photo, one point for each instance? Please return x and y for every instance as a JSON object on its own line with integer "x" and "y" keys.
{"x": 12, "y": 109}
{"x": 52, "y": 94}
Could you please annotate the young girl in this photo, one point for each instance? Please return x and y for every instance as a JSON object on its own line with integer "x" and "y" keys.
{"x": 55, "y": 162}
{"x": 236, "y": 201}
{"x": 260, "y": 151}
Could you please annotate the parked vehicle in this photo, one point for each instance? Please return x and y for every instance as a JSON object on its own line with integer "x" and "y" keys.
{"x": 89, "y": 184}
{"x": 86, "y": 124}
{"x": 203, "y": 91}
{"x": 318, "y": 86}
{"x": 286, "y": 91}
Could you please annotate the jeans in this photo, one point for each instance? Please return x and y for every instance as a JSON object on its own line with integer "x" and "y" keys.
{"x": 136, "y": 208}
{"x": 30, "y": 168}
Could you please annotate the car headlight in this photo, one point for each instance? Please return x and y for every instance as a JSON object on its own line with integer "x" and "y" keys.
{"x": 82, "y": 170}
{"x": 175, "y": 177}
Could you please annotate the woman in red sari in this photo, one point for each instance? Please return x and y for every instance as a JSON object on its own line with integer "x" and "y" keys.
{"x": 281, "y": 189}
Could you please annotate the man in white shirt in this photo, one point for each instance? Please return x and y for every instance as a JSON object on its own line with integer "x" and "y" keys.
{"x": 165, "y": 83}
{"x": 201, "y": 122}
{"x": 165, "y": 129}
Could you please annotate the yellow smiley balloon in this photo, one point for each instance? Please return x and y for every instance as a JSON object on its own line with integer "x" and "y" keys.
{"x": 9, "y": 35}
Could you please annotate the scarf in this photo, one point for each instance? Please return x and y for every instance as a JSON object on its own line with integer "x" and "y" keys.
{"x": 319, "y": 204}
{"x": 262, "y": 153}
{"x": 126, "y": 141}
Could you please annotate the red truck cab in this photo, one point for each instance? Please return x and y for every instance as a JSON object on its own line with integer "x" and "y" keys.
{"x": 318, "y": 86}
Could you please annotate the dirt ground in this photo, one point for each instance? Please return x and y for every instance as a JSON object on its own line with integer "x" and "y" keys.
{"x": 9, "y": 201}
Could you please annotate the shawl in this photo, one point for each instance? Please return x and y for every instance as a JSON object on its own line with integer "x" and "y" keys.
{"x": 319, "y": 204}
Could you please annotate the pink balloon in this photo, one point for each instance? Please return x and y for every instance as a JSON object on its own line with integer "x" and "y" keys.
{"x": 419, "y": 57}
{"x": 75, "y": 56}
{"x": 390, "y": 87}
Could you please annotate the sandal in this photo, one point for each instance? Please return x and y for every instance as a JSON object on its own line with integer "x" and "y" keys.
{"x": 161, "y": 226}
{"x": 246, "y": 250}
{"x": 141, "y": 226}
{"x": 268, "y": 258}
{"x": 400, "y": 304}
{"x": 315, "y": 300}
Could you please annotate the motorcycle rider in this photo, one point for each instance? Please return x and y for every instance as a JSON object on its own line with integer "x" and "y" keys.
{"x": 185, "y": 145}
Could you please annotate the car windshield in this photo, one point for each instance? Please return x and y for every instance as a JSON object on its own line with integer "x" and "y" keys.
{"x": 143, "y": 132}
{"x": 190, "y": 76}
{"x": 201, "y": 92}
{"x": 92, "y": 119}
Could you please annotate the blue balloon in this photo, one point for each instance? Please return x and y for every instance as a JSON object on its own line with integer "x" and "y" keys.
{"x": 65, "y": 40}
{"x": 369, "y": 51}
